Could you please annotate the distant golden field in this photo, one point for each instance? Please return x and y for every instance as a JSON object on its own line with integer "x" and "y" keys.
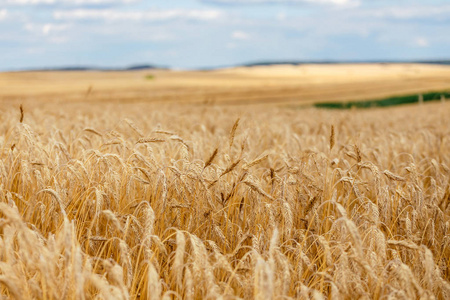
{"x": 165, "y": 188}
{"x": 256, "y": 85}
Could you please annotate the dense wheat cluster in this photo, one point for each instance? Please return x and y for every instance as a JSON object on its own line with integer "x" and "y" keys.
{"x": 202, "y": 202}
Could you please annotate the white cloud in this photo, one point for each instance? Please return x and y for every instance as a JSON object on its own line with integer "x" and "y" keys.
{"x": 240, "y": 35}
{"x": 3, "y": 14}
{"x": 333, "y": 2}
{"x": 116, "y": 15}
{"x": 45, "y": 29}
{"x": 281, "y": 16}
{"x": 412, "y": 12}
{"x": 421, "y": 42}
{"x": 65, "y": 2}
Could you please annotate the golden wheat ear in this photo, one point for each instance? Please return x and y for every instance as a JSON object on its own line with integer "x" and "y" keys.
{"x": 21, "y": 113}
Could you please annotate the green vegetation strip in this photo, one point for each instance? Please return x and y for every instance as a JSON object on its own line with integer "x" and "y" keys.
{"x": 398, "y": 100}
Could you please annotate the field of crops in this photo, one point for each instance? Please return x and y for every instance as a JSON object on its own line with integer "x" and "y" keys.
{"x": 143, "y": 201}
{"x": 126, "y": 186}
{"x": 304, "y": 84}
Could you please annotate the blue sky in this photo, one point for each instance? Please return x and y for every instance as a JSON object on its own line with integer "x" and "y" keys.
{"x": 208, "y": 33}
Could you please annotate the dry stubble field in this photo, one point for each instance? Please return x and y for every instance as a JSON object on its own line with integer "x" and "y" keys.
{"x": 194, "y": 200}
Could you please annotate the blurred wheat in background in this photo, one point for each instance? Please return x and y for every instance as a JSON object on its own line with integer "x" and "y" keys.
{"x": 202, "y": 202}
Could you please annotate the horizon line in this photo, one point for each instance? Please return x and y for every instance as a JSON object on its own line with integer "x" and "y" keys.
{"x": 146, "y": 66}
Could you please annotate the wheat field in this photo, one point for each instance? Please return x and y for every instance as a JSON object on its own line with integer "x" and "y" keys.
{"x": 205, "y": 201}
{"x": 235, "y": 86}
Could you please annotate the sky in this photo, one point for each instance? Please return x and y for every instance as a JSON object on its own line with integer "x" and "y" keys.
{"x": 186, "y": 34}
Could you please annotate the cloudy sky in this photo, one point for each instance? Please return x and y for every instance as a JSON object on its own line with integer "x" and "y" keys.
{"x": 208, "y": 33}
